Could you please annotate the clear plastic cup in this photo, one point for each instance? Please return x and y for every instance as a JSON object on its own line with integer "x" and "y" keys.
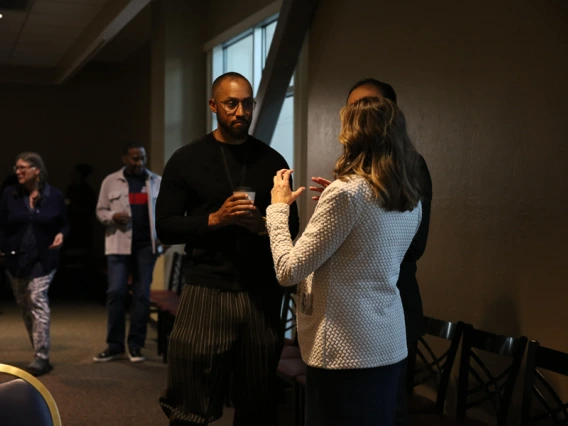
{"x": 245, "y": 190}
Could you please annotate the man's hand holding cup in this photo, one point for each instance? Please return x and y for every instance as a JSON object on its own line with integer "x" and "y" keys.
{"x": 253, "y": 221}
{"x": 234, "y": 209}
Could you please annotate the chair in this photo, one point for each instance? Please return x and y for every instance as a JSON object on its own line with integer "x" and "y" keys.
{"x": 166, "y": 303}
{"x": 175, "y": 282}
{"x": 288, "y": 313}
{"x": 550, "y": 410}
{"x": 428, "y": 368}
{"x": 291, "y": 366}
{"x": 26, "y": 401}
{"x": 477, "y": 385}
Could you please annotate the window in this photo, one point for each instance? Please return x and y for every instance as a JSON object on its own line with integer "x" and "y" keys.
{"x": 246, "y": 54}
{"x": 238, "y": 57}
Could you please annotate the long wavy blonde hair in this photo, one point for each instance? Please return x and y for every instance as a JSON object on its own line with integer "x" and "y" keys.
{"x": 377, "y": 147}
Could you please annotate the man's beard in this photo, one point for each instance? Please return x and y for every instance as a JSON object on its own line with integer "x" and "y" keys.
{"x": 235, "y": 133}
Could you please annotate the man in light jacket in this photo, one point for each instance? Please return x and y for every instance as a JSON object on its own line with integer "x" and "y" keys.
{"x": 126, "y": 207}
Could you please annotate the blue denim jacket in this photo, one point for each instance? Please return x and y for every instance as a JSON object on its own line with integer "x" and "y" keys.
{"x": 113, "y": 198}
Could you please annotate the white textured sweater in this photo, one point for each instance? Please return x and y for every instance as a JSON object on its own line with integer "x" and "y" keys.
{"x": 346, "y": 263}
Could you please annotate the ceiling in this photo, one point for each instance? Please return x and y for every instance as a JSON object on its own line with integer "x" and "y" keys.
{"x": 48, "y": 41}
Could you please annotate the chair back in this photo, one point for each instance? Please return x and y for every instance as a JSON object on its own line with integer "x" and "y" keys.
{"x": 288, "y": 313}
{"x": 541, "y": 403}
{"x": 433, "y": 368}
{"x": 477, "y": 384}
{"x": 25, "y": 400}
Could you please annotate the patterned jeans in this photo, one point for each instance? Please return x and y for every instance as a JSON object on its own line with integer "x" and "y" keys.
{"x": 31, "y": 296}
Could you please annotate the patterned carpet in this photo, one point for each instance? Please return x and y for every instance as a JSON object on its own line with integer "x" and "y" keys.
{"x": 88, "y": 393}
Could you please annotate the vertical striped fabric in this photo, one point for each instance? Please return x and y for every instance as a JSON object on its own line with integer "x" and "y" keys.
{"x": 221, "y": 340}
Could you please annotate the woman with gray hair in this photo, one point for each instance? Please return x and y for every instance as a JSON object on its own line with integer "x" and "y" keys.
{"x": 33, "y": 226}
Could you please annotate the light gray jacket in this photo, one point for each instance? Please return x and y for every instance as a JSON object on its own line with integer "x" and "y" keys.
{"x": 113, "y": 198}
{"x": 346, "y": 265}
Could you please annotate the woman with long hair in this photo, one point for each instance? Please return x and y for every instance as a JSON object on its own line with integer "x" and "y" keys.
{"x": 33, "y": 226}
{"x": 346, "y": 264}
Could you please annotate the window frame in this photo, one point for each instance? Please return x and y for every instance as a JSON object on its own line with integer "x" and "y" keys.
{"x": 299, "y": 89}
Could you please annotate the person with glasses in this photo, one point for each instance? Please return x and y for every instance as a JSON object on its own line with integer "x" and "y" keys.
{"x": 33, "y": 226}
{"x": 227, "y": 329}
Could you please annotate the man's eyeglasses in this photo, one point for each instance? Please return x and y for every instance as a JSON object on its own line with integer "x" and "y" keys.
{"x": 232, "y": 105}
{"x": 23, "y": 168}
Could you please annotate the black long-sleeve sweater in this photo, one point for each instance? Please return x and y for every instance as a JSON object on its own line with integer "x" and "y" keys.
{"x": 195, "y": 184}
{"x": 407, "y": 282}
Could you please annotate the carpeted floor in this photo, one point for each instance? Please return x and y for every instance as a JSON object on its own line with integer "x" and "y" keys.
{"x": 88, "y": 393}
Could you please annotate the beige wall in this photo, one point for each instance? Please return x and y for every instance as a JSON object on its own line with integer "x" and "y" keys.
{"x": 484, "y": 90}
{"x": 86, "y": 120}
{"x": 483, "y": 87}
{"x": 178, "y": 76}
{"x": 485, "y": 93}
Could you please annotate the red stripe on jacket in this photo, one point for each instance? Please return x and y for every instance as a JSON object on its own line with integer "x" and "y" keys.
{"x": 138, "y": 198}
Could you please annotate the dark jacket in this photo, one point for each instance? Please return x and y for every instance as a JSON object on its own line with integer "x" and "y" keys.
{"x": 407, "y": 282}
{"x": 48, "y": 219}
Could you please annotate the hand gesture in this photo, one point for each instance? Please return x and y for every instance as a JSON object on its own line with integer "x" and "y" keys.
{"x": 57, "y": 242}
{"x": 235, "y": 207}
{"x": 281, "y": 192}
{"x": 320, "y": 181}
{"x": 122, "y": 218}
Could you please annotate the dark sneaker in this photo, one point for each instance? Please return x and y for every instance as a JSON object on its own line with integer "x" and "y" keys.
{"x": 135, "y": 355}
{"x": 39, "y": 367}
{"x": 108, "y": 355}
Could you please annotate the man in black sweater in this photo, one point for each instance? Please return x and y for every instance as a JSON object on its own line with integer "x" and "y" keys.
{"x": 407, "y": 283}
{"x": 227, "y": 332}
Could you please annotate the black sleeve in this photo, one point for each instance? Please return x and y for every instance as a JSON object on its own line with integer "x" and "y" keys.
{"x": 294, "y": 218}
{"x": 418, "y": 245}
{"x": 62, "y": 222}
{"x": 3, "y": 215}
{"x": 172, "y": 224}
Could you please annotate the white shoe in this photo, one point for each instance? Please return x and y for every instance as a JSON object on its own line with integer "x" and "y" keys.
{"x": 135, "y": 355}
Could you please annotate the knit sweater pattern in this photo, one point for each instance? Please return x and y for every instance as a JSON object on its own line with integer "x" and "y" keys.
{"x": 346, "y": 265}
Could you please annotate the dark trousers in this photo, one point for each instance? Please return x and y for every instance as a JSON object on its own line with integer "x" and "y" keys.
{"x": 141, "y": 264}
{"x": 224, "y": 343}
{"x": 358, "y": 397}
{"x": 404, "y": 387}
{"x": 402, "y": 399}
